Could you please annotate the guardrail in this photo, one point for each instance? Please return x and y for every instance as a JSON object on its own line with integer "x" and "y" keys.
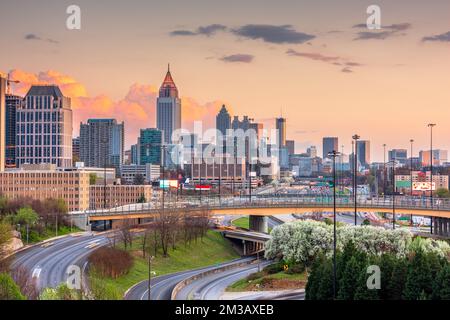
{"x": 209, "y": 203}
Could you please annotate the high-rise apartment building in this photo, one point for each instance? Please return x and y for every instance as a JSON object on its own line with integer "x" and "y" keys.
{"x": 76, "y": 149}
{"x": 44, "y": 128}
{"x": 150, "y": 142}
{"x": 329, "y": 144}
{"x": 102, "y": 143}
{"x": 168, "y": 109}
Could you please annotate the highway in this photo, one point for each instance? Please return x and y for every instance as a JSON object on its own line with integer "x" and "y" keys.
{"x": 49, "y": 263}
{"x": 211, "y": 287}
{"x": 162, "y": 286}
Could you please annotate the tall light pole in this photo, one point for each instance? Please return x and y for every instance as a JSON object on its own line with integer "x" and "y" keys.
{"x": 392, "y": 163}
{"x": 384, "y": 169}
{"x": 150, "y": 258}
{"x": 104, "y": 141}
{"x": 333, "y": 155}
{"x": 411, "y": 167}
{"x": 355, "y": 186}
{"x": 431, "y": 126}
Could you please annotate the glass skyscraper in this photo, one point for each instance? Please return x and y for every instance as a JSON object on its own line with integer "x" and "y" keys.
{"x": 149, "y": 146}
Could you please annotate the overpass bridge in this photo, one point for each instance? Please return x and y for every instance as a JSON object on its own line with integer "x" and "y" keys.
{"x": 260, "y": 207}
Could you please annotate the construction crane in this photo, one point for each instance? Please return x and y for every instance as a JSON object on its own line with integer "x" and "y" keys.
{"x": 8, "y": 83}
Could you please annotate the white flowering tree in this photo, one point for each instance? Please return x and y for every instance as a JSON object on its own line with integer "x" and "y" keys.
{"x": 302, "y": 241}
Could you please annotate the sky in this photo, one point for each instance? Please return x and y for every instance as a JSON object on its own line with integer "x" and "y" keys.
{"x": 314, "y": 62}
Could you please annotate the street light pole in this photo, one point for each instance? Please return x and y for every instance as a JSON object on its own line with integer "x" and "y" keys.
{"x": 411, "y": 168}
{"x": 105, "y": 154}
{"x": 150, "y": 258}
{"x": 384, "y": 169}
{"x": 355, "y": 190}
{"x": 431, "y": 125}
{"x": 393, "y": 193}
{"x": 334, "y": 154}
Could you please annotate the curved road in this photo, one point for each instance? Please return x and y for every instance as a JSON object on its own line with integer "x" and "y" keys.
{"x": 48, "y": 263}
{"x": 162, "y": 286}
{"x": 213, "y": 286}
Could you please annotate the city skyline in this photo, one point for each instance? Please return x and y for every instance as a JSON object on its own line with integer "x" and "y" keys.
{"x": 398, "y": 77}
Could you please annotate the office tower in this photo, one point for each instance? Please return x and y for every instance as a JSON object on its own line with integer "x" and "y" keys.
{"x": 76, "y": 149}
{"x": 12, "y": 104}
{"x": 44, "y": 128}
{"x": 2, "y": 121}
{"x": 329, "y": 144}
{"x": 149, "y": 146}
{"x": 290, "y": 144}
{"x": 312, "y": 152}
{"x": 399, "y": 155}
{"x": 439, "y": 157}
{"x": 363, "y": 147}
{"x": 168, "y": 110}
{"x": 102, "y": 143}
{"x": 223, "y": 120}
{"x": 281, "y": 132}
{"x": 134, "y": 154}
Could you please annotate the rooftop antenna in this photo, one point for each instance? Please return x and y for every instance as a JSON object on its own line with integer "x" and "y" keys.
{"x": 8, "y": 83}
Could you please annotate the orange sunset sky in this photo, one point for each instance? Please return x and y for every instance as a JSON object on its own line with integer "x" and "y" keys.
{"x": 313, "y": 60}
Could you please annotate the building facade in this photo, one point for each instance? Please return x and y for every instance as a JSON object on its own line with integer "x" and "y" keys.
{"x": 150, "y": 172}
{"x": 45, "y": 181}
{"x": 223, "y": 121}
{"x": 399, "y": 155}
{"x": 329, "y": 144}
{"x": 168, "y": 109}
{"x": 118, "y": 195}
{"x": 2, "y": 121}
{"x": 13, "y": 103}
{"x": 150, "y": 143}
{"x": 44, "y": 128}
{"x": 102, "y": 143}
{"x": 281, "y": 131}
{"x": 420, "y": 182}
{"x": 439, "y": 157}
{"x": 363, "y": 148}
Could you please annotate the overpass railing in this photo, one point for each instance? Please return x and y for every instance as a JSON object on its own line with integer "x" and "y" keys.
{"x": 278, "y": 202}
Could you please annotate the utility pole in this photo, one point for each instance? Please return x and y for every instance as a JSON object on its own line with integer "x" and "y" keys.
{"x": 334, "y": 154}
{"x": 384, "y": 169}
{"x": 431, "y": 126}
{"x": 393, "y": 192}
{"x": 355, "y": 190}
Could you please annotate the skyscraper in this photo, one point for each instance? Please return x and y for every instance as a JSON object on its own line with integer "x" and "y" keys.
{"x": 76, "y": 149}
{"x": 399, "y": 155}
{"x": 102, "y": 143}
{"x": 329, "y": 144}
{"x": 2, "y": 122}
{"x": 281, "y": 132}
{"x": 12, "y": 104}
{"x": 363, "y": 147}
{"x": 149, "y": 146}
{"x": 290, "y": 144}
{"x": 44, "y": 128}
{"x": 168, "y": 110}
{"x": 223, "y": 120}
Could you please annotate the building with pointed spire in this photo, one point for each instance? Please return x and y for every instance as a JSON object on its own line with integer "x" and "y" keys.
{"x": 168, "y": 109}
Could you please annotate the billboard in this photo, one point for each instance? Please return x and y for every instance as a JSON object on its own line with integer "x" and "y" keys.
{"x": 165, "y": 184}
{"x": 423, "y": 186}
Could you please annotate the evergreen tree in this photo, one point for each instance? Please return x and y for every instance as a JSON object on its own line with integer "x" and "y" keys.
{"x": 441, "y": 285}
{"x": 387, "y": 263}
{"x": 419, "y": 278}
{"x": 325, "y": 288}
{"x": 350, "y": 278}
{"x": 314, "y": 279}
{"x": 396, "y": 285}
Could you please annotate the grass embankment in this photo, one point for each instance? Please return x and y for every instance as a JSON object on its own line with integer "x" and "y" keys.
{"x": 267, "y": 280}
{"x": 213, "y": 249}
{"x": 48, "y": 233}
{"x": 243, "y": 223}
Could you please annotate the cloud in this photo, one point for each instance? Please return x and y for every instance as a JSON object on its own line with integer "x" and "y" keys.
{"x": 245, "y": 58}
{"x": 346, "y": 70}
{"x": 208, "y": 30}
{"x": 32, "y": 36}
{"x": 383, "y": 33}
{"x": 137, "y": 109}
{"x": 273, "y": 34}
{"x": 334, "y": 60}
{"x": 444, "y": 37}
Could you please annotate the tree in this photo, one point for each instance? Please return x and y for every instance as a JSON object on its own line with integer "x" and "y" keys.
{"x": 5, "y": 237}
{"x": 142, "y": 199}
{"x": 9, "y": 289}
{"x": 441, "y": 285}
{"x": 26, "y": 283}
{"x": 92, "y": 179}
{"x": 350, "y": 279}
{"x": 419, "y": 279}
{"x": 25, "y": 216}
{"x": 443, "y": 193}
{"x": 62, "y": 292}
{"x": 396, "y": 285}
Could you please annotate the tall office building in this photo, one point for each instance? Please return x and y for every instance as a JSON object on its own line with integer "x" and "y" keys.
{"x": 168, "y": 110}
{"x": 439, "y": 157}
{"x": 281, "y": 132}
{"x": 363, "y": 147}
{"x": 102, "y": 143}
{"x": 399, "y": 155}
{"x": 44, "y": 128}
{"x": 329, "y": 144}
{"x": 2, "y": 121}
{"x": 149, "y": 146}
{"x": 290, "y": 144}
{"x": 223, "y": 120}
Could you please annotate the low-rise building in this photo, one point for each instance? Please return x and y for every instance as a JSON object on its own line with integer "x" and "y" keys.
{"x": 420, "y": 182}
{"x": 117, "y": 195}
{"x": 45, "y": 181}
{"x": 150, "y": 172}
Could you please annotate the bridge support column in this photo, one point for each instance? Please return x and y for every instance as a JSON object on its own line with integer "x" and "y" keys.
{"x": 442, "y": 226}
{"x": 259, "y": 224}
